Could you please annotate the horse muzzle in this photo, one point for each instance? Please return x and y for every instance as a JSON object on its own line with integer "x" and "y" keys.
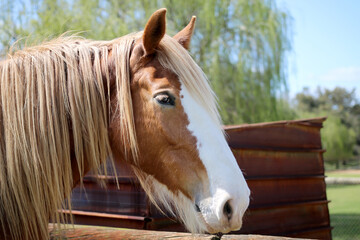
{"x": 223, "y": 212}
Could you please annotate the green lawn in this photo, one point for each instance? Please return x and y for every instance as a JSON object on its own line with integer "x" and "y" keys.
{"x": 344, "y": 211}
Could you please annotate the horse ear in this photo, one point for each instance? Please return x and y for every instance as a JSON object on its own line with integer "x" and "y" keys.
{"x": 184, "y": 36}
{"x": 154, "y": 31}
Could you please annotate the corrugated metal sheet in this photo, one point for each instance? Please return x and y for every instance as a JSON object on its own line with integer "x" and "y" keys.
{"x": 282, "y": 163}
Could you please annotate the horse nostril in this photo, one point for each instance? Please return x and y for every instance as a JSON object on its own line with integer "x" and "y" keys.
{"x": 228, "y": 210}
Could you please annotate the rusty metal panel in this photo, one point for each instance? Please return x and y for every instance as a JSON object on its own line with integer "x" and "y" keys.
{"x": 279, "y": 163}
{"x": 284, "y": 219}
{"x": 128, "y": 199}
{"x": 302, "y": 134}
{"x": 286, "y": 190}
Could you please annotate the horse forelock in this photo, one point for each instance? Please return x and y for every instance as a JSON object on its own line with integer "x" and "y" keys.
{"x": 54, "y": 109}
{"x": 176, "y": 58}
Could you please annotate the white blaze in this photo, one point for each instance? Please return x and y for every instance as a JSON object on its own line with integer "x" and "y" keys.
{"x": 226, "y": 181}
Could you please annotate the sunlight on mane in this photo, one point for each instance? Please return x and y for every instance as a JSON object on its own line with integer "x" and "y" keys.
{"x": 176, "y": 58}
{"x": 52, "y": 94}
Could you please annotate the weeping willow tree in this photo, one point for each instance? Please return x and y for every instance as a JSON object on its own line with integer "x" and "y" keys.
{"x": 242, "y": 45}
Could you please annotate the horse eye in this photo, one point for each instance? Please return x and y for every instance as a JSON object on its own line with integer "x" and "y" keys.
{"x": 165, "y": 99}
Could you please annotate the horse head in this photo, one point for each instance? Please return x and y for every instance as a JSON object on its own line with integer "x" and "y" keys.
{"x": 182, "y": 158}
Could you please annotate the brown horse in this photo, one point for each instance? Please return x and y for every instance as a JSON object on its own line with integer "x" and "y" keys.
{"x": 70, "y": 104}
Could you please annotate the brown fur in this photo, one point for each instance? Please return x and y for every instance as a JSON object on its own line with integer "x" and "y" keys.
{"x": 177, "y": 163}
{"x": 184, "y": 36}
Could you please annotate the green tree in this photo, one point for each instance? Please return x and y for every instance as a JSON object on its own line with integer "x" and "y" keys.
{"x": 241, "y": 45}
{"x": 13, "y": 19}
{"x": 338, "y": 140}
{"x": 341, "y": 133}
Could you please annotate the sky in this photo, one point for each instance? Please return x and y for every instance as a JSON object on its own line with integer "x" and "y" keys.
{"x": 326, "y": 44}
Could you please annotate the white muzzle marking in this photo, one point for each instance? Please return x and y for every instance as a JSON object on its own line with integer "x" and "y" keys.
{"x": 224, "y": 203}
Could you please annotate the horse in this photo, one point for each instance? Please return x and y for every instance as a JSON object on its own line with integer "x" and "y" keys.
{"x": 69, "y": 104}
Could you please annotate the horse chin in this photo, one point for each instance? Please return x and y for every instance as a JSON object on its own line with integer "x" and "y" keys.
{"x": 174, "y": 204}
{"x": 220, "y": 230}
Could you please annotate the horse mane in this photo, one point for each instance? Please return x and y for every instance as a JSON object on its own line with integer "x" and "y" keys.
{"x": 54, "y": 108}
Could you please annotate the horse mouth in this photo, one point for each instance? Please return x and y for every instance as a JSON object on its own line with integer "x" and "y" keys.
{"x": 218, "y": 233}
{"x": 201, "y": 218}
{"x": 217, "y": 236}
{"x": 209, "y": 229}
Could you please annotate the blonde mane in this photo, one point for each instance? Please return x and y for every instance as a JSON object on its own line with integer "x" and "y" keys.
{"x": 54, "y": 105}
{"x": 54, "y": 108}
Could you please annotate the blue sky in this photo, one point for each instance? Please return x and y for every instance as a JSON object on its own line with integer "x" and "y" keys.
{"x": 326, "y": 44}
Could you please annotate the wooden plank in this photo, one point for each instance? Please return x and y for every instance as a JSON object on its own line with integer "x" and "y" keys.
{"x": 83, "y": 232}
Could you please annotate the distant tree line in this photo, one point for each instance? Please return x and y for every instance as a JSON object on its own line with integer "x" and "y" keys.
{"x": 241, "y": 45}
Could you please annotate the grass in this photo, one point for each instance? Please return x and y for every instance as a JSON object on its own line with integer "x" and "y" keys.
{"x": 344, "y": 211}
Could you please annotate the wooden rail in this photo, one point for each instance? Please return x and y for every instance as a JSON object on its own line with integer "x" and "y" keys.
{"x": 97, "y": 233}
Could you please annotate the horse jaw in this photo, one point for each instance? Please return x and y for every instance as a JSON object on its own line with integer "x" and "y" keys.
{"x": 226, "y": 181}
{"x": 175, "y": 203}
